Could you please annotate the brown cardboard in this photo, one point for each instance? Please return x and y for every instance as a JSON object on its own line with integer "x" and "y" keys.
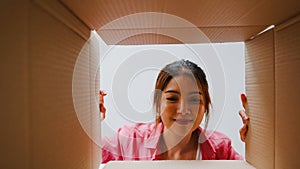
{"x": 260, "y": 83}
{"x": 287, "y": 82}
{"x": 63, "y": 14}
{"x": 55, "y": 131}
{"x": 213, "y": 13}
{"x": 223, "y": 21}
{"x": 39, "y": 127}
{"x": 272, "y": 71}
{"x": 55, "y": 134}
{"x": 14, "y": 86}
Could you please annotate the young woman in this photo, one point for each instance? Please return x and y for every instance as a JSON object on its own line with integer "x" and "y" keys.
{"x": 181, "y": 100}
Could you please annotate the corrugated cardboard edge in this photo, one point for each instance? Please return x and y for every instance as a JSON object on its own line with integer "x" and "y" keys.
{"x": 283, "y": 111}
{"x": 259, "y": 60}
{"x": 287, "y": 82}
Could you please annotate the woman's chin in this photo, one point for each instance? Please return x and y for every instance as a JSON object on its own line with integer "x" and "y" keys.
{"x": 181, "y": 130}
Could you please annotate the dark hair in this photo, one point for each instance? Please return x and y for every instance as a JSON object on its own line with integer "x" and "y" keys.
{"x": 180, "y": 67}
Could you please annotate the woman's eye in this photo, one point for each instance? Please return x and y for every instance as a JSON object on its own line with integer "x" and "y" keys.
{"x": 172, "y": 99}
{"x": 195, "y": 100}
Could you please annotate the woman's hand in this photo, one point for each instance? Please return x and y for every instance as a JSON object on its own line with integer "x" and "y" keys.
{"x": 245, "y": 118}
{"x": 101, "y": 104}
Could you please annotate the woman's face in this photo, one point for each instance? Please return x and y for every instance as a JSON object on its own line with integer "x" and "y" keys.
{"x": 182, "y": 105}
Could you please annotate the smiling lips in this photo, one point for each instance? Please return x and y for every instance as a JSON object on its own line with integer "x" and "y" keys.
{"x": 183, "y": 121}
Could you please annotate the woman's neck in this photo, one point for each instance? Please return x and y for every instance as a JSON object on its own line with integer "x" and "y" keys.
{"x": 174, "y": 146}
{"x": 173, "y": 141}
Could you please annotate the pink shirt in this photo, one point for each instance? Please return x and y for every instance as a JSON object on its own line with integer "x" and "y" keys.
{"x": 139, "y": 142}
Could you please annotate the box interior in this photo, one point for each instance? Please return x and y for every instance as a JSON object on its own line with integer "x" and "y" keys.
{"x": 43, "y": 38}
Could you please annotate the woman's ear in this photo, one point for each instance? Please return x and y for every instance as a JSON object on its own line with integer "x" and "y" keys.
{"x": 158, "y": 118}
{"x": 157, "y": 114}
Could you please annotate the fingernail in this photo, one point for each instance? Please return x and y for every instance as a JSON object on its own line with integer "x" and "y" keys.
{"x": 102, "y": 116}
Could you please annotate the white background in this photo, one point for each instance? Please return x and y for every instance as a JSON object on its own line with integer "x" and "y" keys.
{"x": 128, "y": 74}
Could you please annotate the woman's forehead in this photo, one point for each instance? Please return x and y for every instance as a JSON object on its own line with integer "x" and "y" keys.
{"x": 184, "y": 83}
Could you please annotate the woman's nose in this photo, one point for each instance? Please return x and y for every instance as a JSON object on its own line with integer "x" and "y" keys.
{"x": 183, "y": 108}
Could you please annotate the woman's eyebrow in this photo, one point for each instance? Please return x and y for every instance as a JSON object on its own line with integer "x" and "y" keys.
{"x": 195, "y": 92}
{"x": 172, "y": 91}
{"x": 177, "y": 92}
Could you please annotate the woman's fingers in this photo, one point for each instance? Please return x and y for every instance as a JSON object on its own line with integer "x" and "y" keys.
{"x": 244, "y": 100}
{"x": 245, "y": 103}
{"x": 102, "y": 108}
{"x": 101, "y": 104}
{"x": 244, "y": 129}
{"x": 102, "y": 94}
{"x": 243, "y": 132}
{"x": 244, "y": 115}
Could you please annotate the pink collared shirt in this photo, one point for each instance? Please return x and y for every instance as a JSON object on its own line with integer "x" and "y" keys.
{"x": 139, "y": 142}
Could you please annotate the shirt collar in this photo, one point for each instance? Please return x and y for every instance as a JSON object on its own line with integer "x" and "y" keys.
{"x": 205, "y": 142}
{"x": 206, "y": 147}
{"x": 152, "y": 140}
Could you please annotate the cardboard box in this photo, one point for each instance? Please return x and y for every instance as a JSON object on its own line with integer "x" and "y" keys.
{"x": 208, "y": 164}
{"x": 41, "y": 41}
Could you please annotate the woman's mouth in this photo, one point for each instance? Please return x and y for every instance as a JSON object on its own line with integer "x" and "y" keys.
{"x": 183, "y": 121}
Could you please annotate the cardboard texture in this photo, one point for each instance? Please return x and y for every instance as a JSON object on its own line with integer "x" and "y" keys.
{"x": 259, "y": 60}
{"x": 55, "y": 132}
{"x": 42, "y": 39}
{"x": 272, "y": 71}
{"x": 213, "y": 13}
{"x": 287, "y": 82}
{"x": 14, "y": 86}
{"x": 222, "y": 21}
{"x": 39, "y": 127}
{"x": 85, "y": 90}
